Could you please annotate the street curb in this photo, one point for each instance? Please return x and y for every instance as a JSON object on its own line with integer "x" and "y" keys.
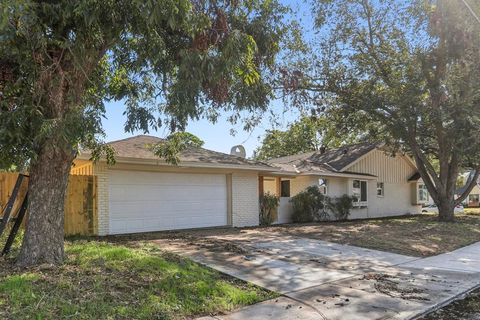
{"x": 444, "y": 303}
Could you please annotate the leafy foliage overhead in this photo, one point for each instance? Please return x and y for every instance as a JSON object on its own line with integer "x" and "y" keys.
{"x": 409, "y": 68}
{"x": 304, "y": 135}
{"x": 168, "y": 61}
{"x": 171, "y": 148}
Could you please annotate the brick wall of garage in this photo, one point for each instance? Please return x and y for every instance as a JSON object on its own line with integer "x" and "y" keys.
{"x": 101, "y": 171}
{"x": 245, "y": 207}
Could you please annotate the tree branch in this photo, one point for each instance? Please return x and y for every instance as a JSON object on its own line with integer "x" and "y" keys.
{"x": 469, "y": 188}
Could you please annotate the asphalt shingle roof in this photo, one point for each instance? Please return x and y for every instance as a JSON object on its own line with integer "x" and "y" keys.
{"x": 138, "y": 147}
{"x": 329, "y": 161}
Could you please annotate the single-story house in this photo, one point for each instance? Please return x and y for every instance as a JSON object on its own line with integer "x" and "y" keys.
{"x": 383, "y": 185}
{"x": 143, "y": 193}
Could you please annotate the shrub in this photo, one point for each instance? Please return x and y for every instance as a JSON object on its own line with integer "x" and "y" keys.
{"x": 268, "y": 204}
{"x": 309, "y": 205}
{"x": 341, "y": 206}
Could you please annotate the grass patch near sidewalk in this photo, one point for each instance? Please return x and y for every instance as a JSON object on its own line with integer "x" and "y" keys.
{"x": 101, "y": 280}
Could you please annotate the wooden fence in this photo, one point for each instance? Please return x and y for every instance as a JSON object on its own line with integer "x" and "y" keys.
{"x": 80, "y": 202}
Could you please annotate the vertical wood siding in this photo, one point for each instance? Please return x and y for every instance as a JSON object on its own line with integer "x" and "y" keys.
{"x": 81, "y": 206}
{"x": 80, "y": 202}
{"x": 84, "y": 170}
{"x": 388, "y": 169}
{"x": 7, "y": 182}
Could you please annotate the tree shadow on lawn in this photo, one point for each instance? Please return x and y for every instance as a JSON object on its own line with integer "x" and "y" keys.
{"x": 100, "y": 279}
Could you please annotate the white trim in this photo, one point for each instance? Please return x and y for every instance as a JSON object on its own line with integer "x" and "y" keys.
{"x": 324, "y": 186}
{"x": 325, "y": 174}
{"x": 184, "y": 164}
{"x": 360, "y": 203}
{"x": 383, "y": 190}
{"x": 410, "y": 161}
{"x": 418, "y": 193}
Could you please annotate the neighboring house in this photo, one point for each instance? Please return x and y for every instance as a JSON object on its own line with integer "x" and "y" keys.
{"x": 143, "y": 193}
{"x": 473, "y": 199}
{"x": 383, "y": 185}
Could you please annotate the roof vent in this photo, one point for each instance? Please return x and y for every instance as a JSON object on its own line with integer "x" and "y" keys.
{"x": 238, "y": 151}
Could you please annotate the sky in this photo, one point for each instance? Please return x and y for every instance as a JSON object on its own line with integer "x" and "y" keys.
{"x": 216, "y": 136}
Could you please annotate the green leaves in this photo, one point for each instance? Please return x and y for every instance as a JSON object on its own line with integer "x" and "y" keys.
{"x": 171, "y": 148}
{"x": 304, "y": 135}
{"x": 410, "y": 73}
{"x": 170, "y": 61}
{"x": 268, "y": 204}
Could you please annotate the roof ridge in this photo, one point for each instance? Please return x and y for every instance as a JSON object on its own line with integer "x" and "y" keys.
{"x": 228, "y": 154}
{"x": 292, "y": 155}
{"x": 327, "y": 151}
{"x": 133, "y": 137}
{"x": 141, "y": 142}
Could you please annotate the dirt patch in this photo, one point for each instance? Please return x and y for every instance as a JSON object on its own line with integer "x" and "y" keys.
{"x": 395, "y": 288}
{"x": 419, "y": 236}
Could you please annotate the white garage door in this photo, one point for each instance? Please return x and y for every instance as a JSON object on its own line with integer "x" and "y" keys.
{"x": 148, "y": 201}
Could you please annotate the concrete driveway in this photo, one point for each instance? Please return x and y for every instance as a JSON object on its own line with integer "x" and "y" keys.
{"x": 322, "y": 280}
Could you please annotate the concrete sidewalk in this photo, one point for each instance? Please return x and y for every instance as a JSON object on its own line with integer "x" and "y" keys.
{"x": 322, "y": 280}
{"x": 466, "y": 259}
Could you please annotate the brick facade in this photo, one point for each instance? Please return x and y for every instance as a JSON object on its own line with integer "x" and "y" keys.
{"x": 245, "y": 207}
{"x": 101, "y": 171}
{"x": 244, "y": 201}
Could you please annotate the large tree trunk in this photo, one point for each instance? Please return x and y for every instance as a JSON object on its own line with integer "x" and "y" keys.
{"x": 43, "y": 240}
{"x": 446, "y": 210}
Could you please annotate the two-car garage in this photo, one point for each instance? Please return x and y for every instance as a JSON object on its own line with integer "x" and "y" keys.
{"x": 141, "y": 201}
{"x": 141, "y": 192}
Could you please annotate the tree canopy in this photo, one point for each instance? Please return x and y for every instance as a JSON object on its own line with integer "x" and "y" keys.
{"x": 174, "y": 144}
{"x": 307, "y": 134}
{"x": 168, "y": 61}
{"x": 412, "y": 70}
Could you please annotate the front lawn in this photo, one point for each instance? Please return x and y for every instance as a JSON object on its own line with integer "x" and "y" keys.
{"x": 420, "y": 235}
{"x": 101, "y": 280}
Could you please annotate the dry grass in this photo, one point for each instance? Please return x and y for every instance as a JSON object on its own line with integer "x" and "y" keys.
{"x": 101, "y": 280}
{"x": 420, "y": 236}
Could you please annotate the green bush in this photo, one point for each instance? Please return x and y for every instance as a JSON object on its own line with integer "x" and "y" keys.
{"x": 268, "y": 204}
{"x": 309, "y": 205}
{"x": 341, "y": 206}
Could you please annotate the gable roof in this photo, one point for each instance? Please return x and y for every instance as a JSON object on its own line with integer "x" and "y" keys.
{"x": 138, "y": 148}
{"x": 330, "y": 161}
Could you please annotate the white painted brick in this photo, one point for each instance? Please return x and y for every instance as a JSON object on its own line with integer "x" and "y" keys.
{"x": 245, "y": 207}
{"x": 101, "y": 171}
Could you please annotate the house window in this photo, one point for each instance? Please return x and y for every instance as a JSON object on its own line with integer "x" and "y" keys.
{"x": 422, "y": 193}
{"x": 323, "y": 185}
{"x": 380, "y": 189}
{"x": 359, "y": 190}
{"x": 285, "y": 188}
